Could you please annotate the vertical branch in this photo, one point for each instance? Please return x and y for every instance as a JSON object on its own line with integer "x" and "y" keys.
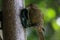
{"x": 12, "y": 28}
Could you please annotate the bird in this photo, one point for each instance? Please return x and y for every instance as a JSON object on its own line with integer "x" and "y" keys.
{"x": 31, "y": 16}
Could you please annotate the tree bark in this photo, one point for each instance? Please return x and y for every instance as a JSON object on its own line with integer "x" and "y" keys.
{"x": 12, "y": 27}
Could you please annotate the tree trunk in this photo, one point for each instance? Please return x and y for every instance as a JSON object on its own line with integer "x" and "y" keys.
{"x": 12, "y": 27}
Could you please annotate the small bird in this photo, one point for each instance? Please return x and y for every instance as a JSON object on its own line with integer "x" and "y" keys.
{"x": 31, "y": 16}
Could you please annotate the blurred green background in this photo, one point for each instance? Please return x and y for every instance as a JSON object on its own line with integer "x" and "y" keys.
{"x": 51, "y": 11}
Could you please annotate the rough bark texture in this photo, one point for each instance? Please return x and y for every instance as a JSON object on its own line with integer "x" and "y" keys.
{"x": 12, "y": 28}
